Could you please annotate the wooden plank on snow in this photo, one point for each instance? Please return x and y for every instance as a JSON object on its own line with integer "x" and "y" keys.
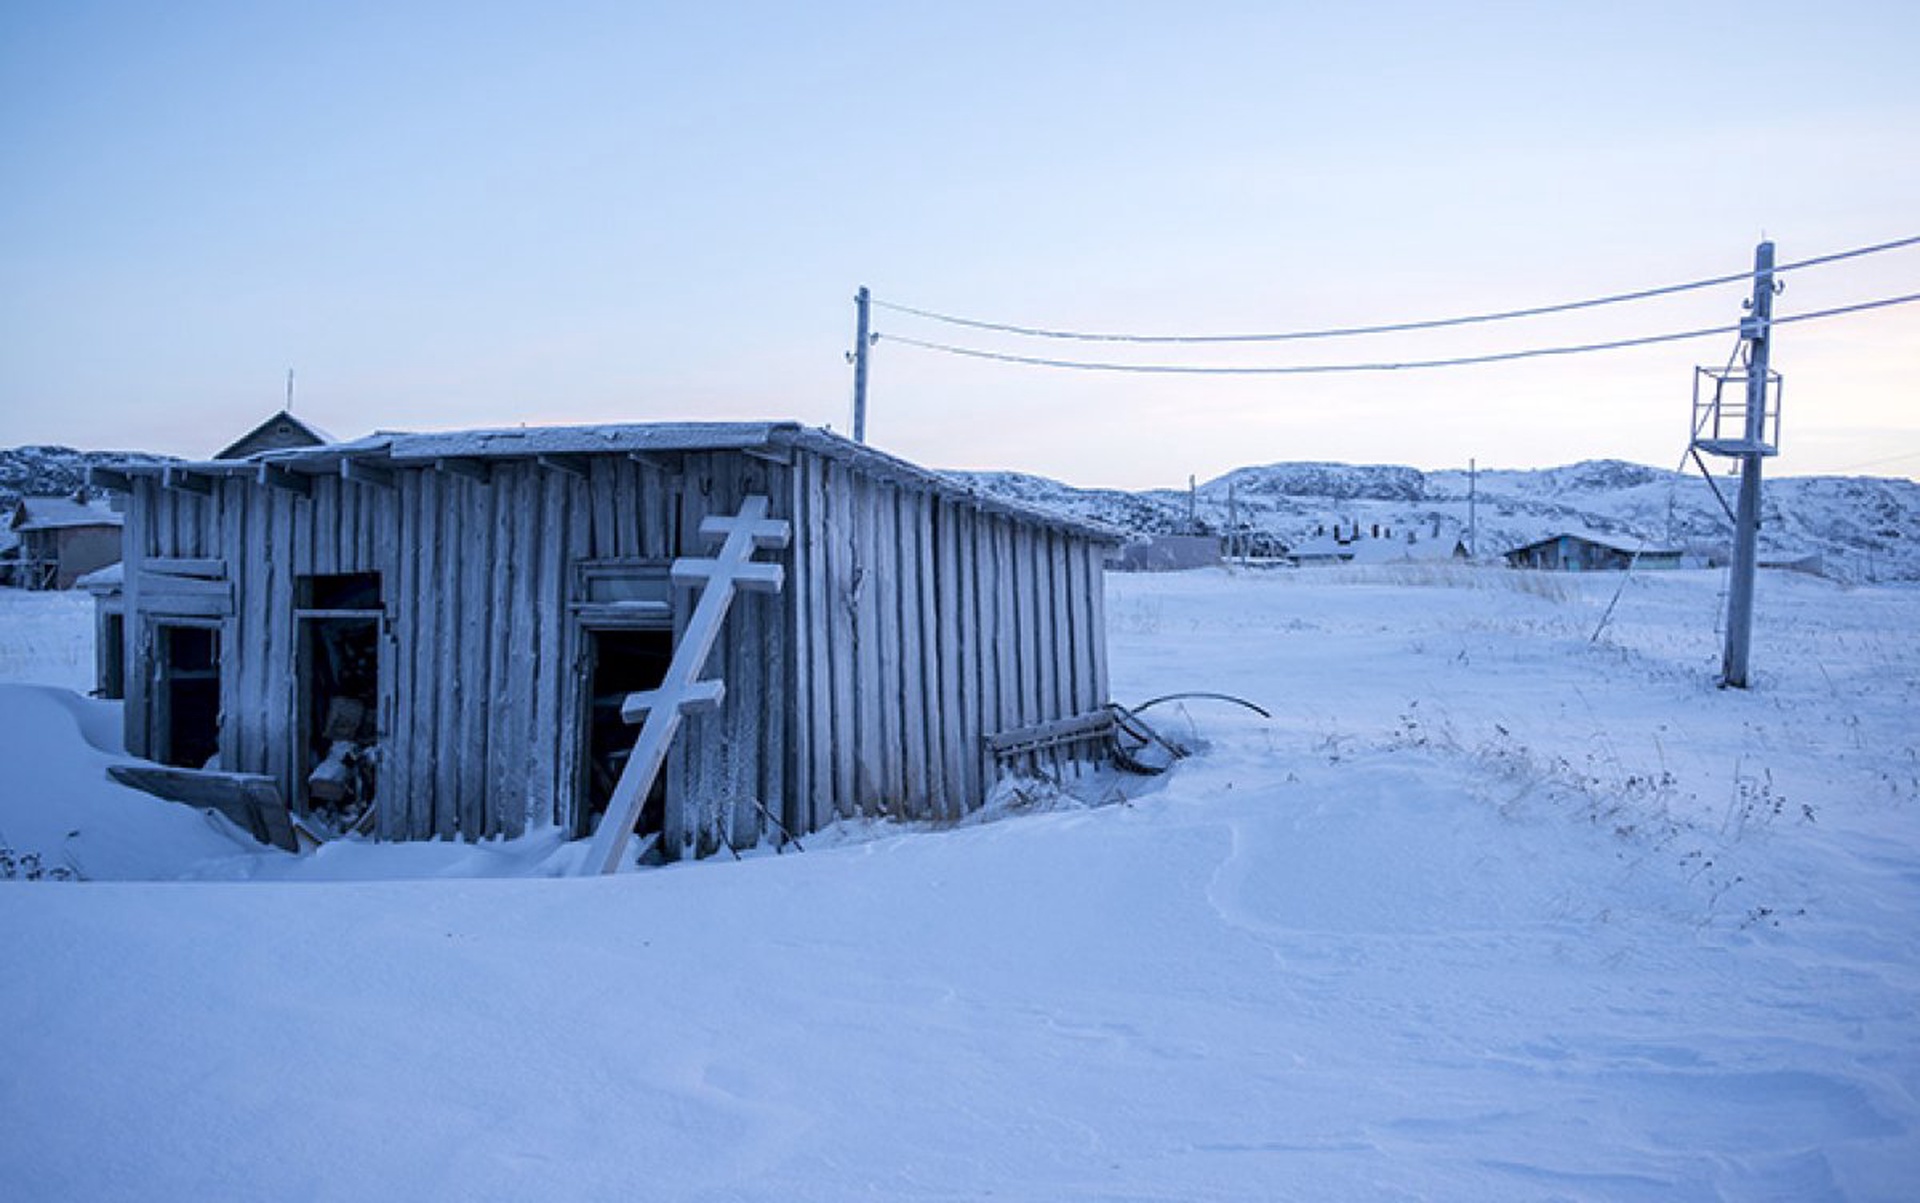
{"x": 253, "y": 802}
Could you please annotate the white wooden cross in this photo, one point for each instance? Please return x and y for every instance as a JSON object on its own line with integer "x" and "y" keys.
{"x": 659, "y": 710}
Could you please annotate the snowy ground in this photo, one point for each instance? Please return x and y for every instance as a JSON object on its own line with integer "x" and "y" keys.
{"x": 1488, "y": 910}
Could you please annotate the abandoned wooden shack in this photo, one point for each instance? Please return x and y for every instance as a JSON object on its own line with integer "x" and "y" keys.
{"x": 435, "y": 632}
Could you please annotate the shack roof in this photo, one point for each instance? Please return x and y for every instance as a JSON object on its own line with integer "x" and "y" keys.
{"x": 102, "y": 582}
{"x": 393, "y": 449}
{"x": 61, "y": 513}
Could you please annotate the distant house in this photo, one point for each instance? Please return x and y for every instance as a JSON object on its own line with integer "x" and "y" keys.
{"x": 281, "y": 432}
{"x": 61, "y": 539}
{"x": 1575, "y": 552}
{"x": 1167, "y": 553}
{"x": 1376, "y": 544}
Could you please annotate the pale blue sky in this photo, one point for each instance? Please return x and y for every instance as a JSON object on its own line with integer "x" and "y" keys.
{"x": 471, "y": 214}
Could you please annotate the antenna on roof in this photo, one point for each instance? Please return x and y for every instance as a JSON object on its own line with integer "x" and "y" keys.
{"x": 289, "y": 390}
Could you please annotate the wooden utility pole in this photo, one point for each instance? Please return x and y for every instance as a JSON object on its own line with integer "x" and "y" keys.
{"x": 1756, "y": 329}
{"x": 1473, "y": 515}
{"x": 862, "y": 339}
{"x": 1233, "y": 523}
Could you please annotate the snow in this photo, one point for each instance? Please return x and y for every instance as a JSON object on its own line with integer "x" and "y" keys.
{"x": 1489, "y": 909}
{"x": 46, "y": 638}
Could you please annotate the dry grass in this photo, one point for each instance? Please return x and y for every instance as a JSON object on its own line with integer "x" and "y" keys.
{"x": 1549, "y": 585}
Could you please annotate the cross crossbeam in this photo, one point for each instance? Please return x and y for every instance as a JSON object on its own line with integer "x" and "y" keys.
{"x": 682, "y": 692}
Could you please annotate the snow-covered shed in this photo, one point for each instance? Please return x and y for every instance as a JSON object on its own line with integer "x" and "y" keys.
{"x": 465, "y": 612}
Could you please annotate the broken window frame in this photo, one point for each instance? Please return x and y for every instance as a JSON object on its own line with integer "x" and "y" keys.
{"x": 651, "y": 604}
{"x": 156, "y": 634}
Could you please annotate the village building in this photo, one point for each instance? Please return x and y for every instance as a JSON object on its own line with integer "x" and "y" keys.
{"x": 278, "y": 433}
{"x": 1378, "y": 544}
{"x": 437, "y": 631}
{"x": 1572, "y": 551}
{"x": 281, "y": 431}
{"x": 1167, "y": 553}
{"x": 60, "y": 539}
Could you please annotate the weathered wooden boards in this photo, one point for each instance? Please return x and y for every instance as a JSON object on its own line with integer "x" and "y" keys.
{"x": 683, "y": 692}
{"x": 917, "y": 621}
{"x": 922, "y": 625}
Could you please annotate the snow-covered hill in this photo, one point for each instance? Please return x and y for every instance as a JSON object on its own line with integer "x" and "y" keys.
{"x": 1861, "y": 528}
{"x": 48, "y": 471}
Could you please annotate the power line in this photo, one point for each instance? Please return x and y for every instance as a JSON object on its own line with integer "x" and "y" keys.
{"x": 1404, "y": 365}
{"x": 1393, "y": 327}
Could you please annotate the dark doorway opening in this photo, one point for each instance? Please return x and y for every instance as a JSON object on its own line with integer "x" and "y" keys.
{"x": 620, "y": 662}
{"x": 113, "y": 656}
{"x": 340, "y": 699}
{"x": 189, "y": 690}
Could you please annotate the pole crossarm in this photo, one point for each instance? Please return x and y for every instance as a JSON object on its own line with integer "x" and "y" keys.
{"x": 682, "y": 692}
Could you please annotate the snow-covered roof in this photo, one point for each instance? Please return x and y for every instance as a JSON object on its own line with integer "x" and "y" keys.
{"x": 1624, "y": 544}
{"x": 103, "y": 580}
{"x": 59, "y": 513}
{"x": 394, "y": 449}
{"x": 1369, "y": 550}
